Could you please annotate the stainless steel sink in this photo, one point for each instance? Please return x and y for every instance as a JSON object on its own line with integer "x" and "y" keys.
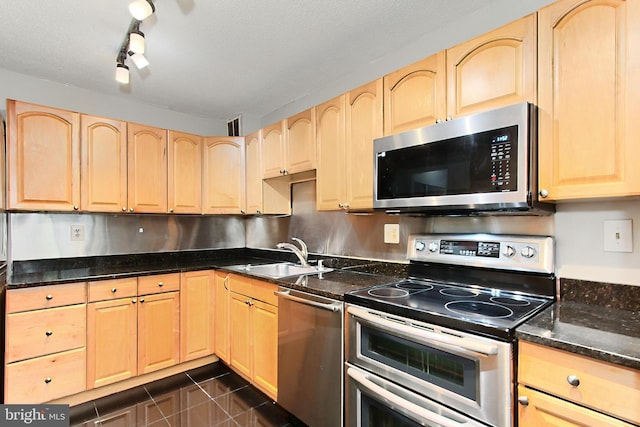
{"x": 279, "y": 270}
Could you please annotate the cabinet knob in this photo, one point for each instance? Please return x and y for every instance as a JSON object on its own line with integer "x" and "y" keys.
{"x": 286, "y": 172}
{"x": 47, "y": 380}
{"x": 171, "y": 210}
{"x": 160, "y": 284}
{"x": 544, "y": 193}
{"x": 449, "y": 118}
{"x": 438, "y": 120}
{"x": 345, "y": 205}
{"x": 75, "y": 207}
{"x": 242, "y": 211}
{"x": 141, "y": 300}
{"x": 48, "y": 333}
{"x": 281, "y": 171}
{"x": 523, "y": 400}
{"x": 340, "y": 205}
{"x": 49, "y": 297}
{"x": 124, "y": 209}
{"x": 573, "y": 380}
{"x": 130, "y": 209}
{"x": 133, "y": 301}
{"x": 113, "y": 290}
{"x": 258, "y": 211}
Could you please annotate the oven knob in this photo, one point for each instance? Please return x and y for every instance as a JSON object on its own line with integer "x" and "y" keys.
{"x": 528, "y": 252}
{"x": 433, "y": 247}
{"x": 508, "y": 251}
{"x": 420, "y": 246}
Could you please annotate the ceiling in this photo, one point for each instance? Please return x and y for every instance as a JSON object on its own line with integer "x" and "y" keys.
{"x": 216, "y": 59}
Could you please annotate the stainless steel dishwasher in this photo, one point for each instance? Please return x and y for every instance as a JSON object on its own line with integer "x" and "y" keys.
{"x": 310, "y": 357}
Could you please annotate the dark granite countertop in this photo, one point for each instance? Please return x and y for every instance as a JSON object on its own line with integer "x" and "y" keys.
{"x": 348, "y": 274}
{"x": 597, "y": 320}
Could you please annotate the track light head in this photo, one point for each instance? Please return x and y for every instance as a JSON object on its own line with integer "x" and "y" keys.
{"x": 122, "y": 74}
{"x": 136, "y": 41}
{"x": 141, "y": 9}
{"x": 139, "y": 60}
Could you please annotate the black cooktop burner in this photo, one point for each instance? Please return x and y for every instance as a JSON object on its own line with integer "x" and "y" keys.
{"x": 491, "y": 312}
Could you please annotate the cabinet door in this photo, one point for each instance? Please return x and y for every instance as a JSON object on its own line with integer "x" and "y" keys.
{"x": 103, "y": 167}
{"x": 185, "y": 173}
{"x": 43, "y": 154}
{"x": 273, "y": 152}
{"x": 589, "y": 99}
{"x": 197, "y": 304}
{"x": 158, "y": 331}
{"x": 111, "y": 341}
{"x": 264, "y": 319}
{"x": 300, "y": 142}
{"x": 254, "y": 172}
{"x": 544, "y": 410}
{"x": 330, "y": 135}
{"x": 224, "y": 185}
{"x": 240, "y": 333}
{"x": 364, "y": 124}
{"x": 221, "y": 324}
{"x": 496, "y": 69}
{"x": 414, "y": 96}
{"x": 147, "y": 169}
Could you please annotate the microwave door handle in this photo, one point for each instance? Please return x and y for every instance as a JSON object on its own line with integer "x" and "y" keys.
{"x": 465, "y": 346}
{"x": 408, "y": 407}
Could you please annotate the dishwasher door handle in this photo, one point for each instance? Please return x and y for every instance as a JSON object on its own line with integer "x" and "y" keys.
{"x": 286, "y": 295}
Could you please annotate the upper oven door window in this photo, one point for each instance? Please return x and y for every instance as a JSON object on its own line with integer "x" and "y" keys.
{"x": 482, "y": 162}
{"x": 448, "y": 370}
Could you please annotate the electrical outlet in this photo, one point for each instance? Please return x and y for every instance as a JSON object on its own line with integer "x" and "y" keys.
{"x": 618, "y": 235}
{"x": 392, "y": 233}
{"x": 77, "y": 233}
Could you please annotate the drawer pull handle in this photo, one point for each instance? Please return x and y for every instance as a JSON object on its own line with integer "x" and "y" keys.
{"x": 48, "y": 333}
{"x": 47, "y": 380}
{"x": 113, "y": 290}
{"x": 160, "y": 284}
{"x": 49, "y": 297}
{"x": 573, "y": 380}
{"x": 523, "y": 400}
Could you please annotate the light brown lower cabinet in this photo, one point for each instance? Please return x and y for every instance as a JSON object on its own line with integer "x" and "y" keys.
{"x": 197, "y": 308}
{"x": 558, "y": 388}
{"x": 253, "y": 332}
{"x": 158, "y": 331}
{"x": 222, "y": 316}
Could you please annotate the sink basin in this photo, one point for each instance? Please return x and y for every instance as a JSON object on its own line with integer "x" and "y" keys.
{"x": 279, "y": 270}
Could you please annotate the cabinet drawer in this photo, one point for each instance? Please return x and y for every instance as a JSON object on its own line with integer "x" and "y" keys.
{"x": 112, "y": 289}
{"x": 603, "y": 386}
{"x": 158, "y": 283}
{"x": 257, "y": 289}
{"x": 39, "y": 297}
{"x": 36, "y": 333}
{"x": 45, "y": 378}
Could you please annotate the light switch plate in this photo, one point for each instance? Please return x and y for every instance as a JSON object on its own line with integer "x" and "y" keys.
{"x": 392, "y": 233}
{"x": 618, "y": 235}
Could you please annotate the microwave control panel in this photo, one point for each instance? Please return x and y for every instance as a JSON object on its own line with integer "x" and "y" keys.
{"x": 502, "y": 153}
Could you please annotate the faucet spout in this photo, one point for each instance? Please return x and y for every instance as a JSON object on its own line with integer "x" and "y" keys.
{"x": 302, "y": 253}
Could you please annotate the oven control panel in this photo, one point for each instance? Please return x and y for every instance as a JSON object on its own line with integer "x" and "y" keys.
{"x": 526, "y": 253}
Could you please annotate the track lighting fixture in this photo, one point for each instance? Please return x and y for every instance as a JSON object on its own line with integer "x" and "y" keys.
{"x": 141, "y": 9}
{"x": 132, "y": 46}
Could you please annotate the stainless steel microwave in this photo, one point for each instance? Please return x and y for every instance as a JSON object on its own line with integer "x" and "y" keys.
{"x": 484, "y": 163}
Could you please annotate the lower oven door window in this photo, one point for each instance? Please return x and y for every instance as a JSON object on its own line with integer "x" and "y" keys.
{"x": 448, "y": 370}
{"x": 374, "y": 401}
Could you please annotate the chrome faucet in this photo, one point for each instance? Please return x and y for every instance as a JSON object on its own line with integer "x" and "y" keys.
{"x": 302, "y": 253}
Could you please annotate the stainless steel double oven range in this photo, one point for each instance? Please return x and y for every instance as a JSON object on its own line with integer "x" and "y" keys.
{"x": 437, "y": 349}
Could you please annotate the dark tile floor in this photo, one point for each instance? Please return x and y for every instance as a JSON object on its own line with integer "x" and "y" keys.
{"x": 209, "y": 396}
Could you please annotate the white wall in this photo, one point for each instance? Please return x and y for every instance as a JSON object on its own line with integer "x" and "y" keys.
{"x": 580, "y": 242}
{"x": 39, "y": 91}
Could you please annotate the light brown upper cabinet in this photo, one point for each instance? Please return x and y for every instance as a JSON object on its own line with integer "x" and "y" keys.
{"x": 493, "y": 70}
{"x": 224, "y": 177}
{"x": 43, "y": 154}
{"x": 414, "y": 96}
{"x": 185, "y": 173}
{"x": 330, "y": 135}
{"x": 147, "y": 169}
{"x": 300, "y": 142}
{"x": 273, "y": 150}
{"x": 253, "y": 172}
{"x": 346, "y": 128}
{"x": 589, "y": 99}
{"x": 103, "y": 166}
{"x": 363, "y": 125}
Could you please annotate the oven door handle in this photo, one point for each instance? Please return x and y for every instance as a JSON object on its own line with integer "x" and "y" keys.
{"x": 419, "y": 334}
{"x": 405, "y": 406}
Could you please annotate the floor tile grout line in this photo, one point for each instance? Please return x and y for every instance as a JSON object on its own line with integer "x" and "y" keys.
{"x": 157, "y": 406}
